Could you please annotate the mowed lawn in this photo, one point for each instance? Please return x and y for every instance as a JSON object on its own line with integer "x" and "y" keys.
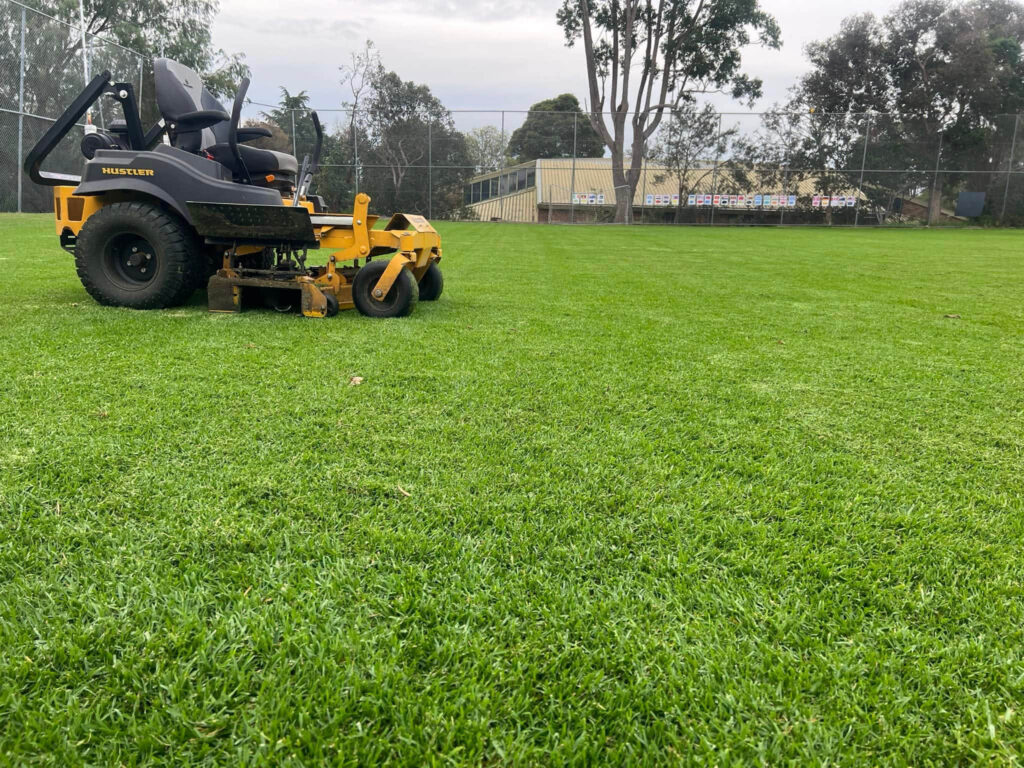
{"x": 622, "y": 496}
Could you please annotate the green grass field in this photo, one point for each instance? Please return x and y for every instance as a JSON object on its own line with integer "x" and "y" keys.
{"x": 623, "y": 496}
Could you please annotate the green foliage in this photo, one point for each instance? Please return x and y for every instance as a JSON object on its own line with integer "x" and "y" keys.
{"x": 642, "y": 57}
{"x": 689, "y": 146}
{"x": 548, "y": 132}
{"x": 754, "y": 502}
{"x": 930, "y": 70}
{"x": 412, "y": 158}
{"x": 487, "y": 148}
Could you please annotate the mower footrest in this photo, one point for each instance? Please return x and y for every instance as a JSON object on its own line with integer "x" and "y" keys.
{"x": 223, "y": 295}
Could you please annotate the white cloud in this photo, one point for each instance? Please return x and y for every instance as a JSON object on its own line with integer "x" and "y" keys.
{"x": 477, "y": 55}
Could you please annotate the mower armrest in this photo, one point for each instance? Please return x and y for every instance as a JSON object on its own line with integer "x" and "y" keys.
{"x": 253, "y": 132}
{"x": 201, "y": 118}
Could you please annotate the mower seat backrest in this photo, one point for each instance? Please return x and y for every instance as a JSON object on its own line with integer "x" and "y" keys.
{"x": 180, "y": 91}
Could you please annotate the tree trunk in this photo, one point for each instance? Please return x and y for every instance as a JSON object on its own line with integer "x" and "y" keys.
{"x": 625, "y": 182}
{"x": 683, "y": 195}
{"x": 623, "y": 191}
{"x": 935, "y": 202}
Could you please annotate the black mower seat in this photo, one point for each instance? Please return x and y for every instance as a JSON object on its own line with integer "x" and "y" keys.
{"x": 186, "y": 104}
{"x": 257, "y": 161}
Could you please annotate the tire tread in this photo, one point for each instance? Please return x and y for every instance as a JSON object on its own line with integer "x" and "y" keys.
{"x": 177, "y": 244}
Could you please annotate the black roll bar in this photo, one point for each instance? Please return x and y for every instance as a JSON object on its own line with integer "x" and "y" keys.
{"x": 100, "y": 85}
{"x": 60, "y": 128}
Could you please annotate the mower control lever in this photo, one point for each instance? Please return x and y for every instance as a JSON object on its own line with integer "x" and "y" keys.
{"x": 309, "y": 168}
{"x": 236, "y": 114}
{"x": 319, "y": 143}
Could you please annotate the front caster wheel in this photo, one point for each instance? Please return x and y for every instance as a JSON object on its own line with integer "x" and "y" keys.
{"x": 432, "y": 283}
{"x": 400, "y": 300}
{"x": 332, "y": 304}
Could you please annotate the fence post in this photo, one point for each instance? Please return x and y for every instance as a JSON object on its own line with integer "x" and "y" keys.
{"x": 714, "y": 173}
{"x": 643, "y": 191}
{"x": 785, "y": 172}
{"x": 1009, "y": 164}
{"x": 355, "y": 150}
{"x": 430, "y": 171}
{"x": 21, "y": 109}
{"x": 935, "y": 185}
{"x": 85, "y": 46}
{"x": 785, "y": 194}
{"x": 572, "y": 176}
{"x": 294, "y": 150}
{"x": 863, "y": 163}
{"x": 85, "y": 61}
{"x": 501, "y": 195}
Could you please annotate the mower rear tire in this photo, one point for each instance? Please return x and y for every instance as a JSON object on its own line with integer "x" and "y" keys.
{"x": 432, "y": 283}
{"x": 400, "y": 300}
{"x": 137, "y": 255}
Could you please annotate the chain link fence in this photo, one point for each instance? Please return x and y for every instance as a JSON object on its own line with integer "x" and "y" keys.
{"x": 780, "y": 168}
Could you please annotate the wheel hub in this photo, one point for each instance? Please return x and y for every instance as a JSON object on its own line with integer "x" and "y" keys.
{"x": 131, "y": 258}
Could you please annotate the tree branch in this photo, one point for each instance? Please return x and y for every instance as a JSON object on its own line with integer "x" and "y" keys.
{"x": 596, "y": 97}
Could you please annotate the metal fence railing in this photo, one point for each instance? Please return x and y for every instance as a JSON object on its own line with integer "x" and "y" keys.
{"x": 774, "y": 167}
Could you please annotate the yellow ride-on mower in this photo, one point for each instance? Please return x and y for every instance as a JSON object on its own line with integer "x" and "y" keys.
{"x": 150, "y": 221}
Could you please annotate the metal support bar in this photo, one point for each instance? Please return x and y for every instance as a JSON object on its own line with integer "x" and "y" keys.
{"x": 935, "y": 185}
{"x": 1009, "y": 166}
{"x": 295, "y": 152}
{"x": 863, "y": 162}
{"x": 136, "y": 137}
{"x": 85, "y": 46}
{"x": 714, "y": 173}
{"x": 785, "y": 173}
{"x": 643, "y": 192}
{"x": 501, "y": 195}
{"x": 572, "y": 177}
{"x": 21, "y": 110}
{"x": 355, "y": 152}
{"x": 430, "y": 171}
{"x": 390, "y": 274}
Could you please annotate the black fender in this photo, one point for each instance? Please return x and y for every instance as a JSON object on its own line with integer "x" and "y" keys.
{"x": 171, "y": 175}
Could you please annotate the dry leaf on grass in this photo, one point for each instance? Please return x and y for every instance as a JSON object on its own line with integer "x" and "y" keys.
{"x": 403, "y": 491}
{"x": 355, "y": 381}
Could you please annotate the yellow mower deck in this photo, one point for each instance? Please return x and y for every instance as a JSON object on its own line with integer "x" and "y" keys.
{"x": 411, "y": 241}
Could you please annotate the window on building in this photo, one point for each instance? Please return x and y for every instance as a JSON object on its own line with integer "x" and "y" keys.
{"x": 507, "y": 183}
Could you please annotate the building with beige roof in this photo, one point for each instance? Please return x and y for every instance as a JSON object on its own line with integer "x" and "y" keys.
{"x": 563, "y": 190}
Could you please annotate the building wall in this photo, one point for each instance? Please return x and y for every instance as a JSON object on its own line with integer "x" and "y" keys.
{"x": 559, "y": 180}
{"x": 520, "y": 206}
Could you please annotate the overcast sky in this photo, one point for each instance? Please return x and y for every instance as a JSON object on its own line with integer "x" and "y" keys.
{"x": 474, "y": 54}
